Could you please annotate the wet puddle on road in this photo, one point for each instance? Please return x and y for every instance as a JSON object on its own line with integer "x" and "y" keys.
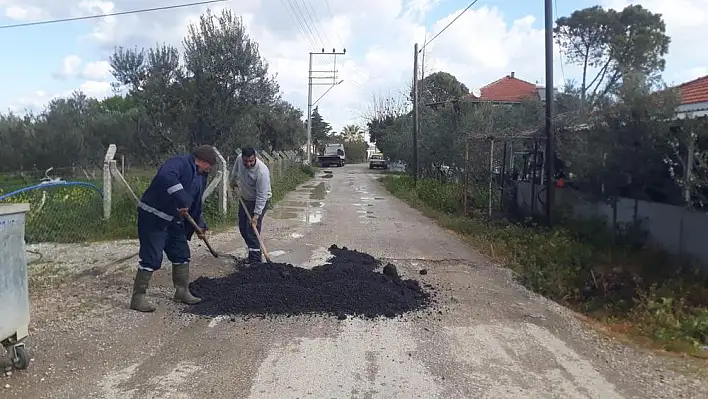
{"x": 319, "y": 192}
{"x": 301, "y": 204}
{"x": 365, "y": 213}
{"x": 301, "y": 209}
{"x": 304, "y": 215}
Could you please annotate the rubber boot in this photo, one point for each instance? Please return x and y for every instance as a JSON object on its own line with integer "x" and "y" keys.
{"x": 180, "y": 278}
{"x": 254, "y": 258}
{"x": 138, "y": 301}
{"x": 247, "y": 259}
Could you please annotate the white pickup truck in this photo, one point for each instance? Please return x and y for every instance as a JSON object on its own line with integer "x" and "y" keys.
{"x": 333, "y": 154}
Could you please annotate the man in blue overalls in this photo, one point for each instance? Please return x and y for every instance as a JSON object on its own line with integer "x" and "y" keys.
{"x": 175, "y": 191}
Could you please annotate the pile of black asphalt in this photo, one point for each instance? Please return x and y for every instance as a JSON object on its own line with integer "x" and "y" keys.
{"x": 349, "y": 284}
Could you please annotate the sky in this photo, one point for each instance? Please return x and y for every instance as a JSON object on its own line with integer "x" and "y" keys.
{"x": 491, "y": 40}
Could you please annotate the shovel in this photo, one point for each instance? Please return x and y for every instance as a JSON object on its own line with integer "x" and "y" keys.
{"x": 266, "y": 255}
{"x": 200, "y": 233}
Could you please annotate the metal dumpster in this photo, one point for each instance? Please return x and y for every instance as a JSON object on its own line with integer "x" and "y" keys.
{"x": 14, "y": 295}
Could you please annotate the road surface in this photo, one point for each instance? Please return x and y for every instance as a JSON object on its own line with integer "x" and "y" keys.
{"x": 492, "y": 339}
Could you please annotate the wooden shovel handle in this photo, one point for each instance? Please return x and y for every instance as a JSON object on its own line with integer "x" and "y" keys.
{"x": 201, "y": 233}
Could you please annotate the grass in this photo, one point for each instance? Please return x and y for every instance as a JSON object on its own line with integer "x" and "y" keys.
{"x": 75, "y": 213}
{"x": 642, "y": 293}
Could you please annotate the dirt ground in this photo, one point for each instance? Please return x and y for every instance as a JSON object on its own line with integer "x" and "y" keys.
{"x": 490, "y": 338}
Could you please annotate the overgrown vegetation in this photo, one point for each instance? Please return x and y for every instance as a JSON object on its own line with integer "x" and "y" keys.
{"x": 618, "y": 135}
{"x": 221, "y": 94}
{"x": 646, "y": 291}
{"x": 218, "y": 90}
{"x": 75, "y": 213}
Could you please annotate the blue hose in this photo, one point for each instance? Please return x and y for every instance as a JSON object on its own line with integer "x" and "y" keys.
{"x": 56, "y": 184}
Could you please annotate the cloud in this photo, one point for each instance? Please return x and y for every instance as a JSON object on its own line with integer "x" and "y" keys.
{"x": 69, "y": 67}
{"x": 36, "y": 102}
{"x": 480, "y": 47}
{"x": 97, "y": 89}
{"x": 25, "y": 13}
{"x": 95, "y": 70}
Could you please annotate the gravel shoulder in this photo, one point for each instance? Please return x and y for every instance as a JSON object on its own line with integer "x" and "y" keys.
{"x": 487, "y": 338}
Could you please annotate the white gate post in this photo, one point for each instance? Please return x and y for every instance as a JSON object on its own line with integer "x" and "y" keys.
{"x": 107, "y": 181}
{"x": 224, "y": 186}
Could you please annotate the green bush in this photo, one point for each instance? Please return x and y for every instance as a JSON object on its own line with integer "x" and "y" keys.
{"x": 581, "y": 265}
{"x": 308, "y": 170}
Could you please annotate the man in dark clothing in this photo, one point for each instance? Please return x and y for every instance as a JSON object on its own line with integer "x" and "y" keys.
{"x": 175, "y": 191}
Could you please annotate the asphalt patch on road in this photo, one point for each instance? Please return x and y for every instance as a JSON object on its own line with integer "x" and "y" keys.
{"x": 348, "y": 285}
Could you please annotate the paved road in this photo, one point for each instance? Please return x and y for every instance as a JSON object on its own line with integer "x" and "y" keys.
{"x": 492, "y": 339}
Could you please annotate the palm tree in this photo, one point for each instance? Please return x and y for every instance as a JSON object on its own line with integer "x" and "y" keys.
{"x": 352, "y": 133}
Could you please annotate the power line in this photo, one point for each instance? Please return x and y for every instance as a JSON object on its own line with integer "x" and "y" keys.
{"x": 448, "y": 25}
{"x": 560, "y": 50}
{"x": 114, "y": 14}
{"x": 329, "y": 10}
{"x": 316, "y": 22}
{"x": 296, "y": 20}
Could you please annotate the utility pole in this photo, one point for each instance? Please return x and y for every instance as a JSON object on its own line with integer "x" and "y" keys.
{"x": 415, "y": 113}
{"x": 311, "y": 82}
{"x": 550, "y": 98}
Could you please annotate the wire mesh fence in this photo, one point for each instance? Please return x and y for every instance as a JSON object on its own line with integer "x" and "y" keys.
{"x": 61, "y": 213}
{"x": 632, "y": 168}
{"x": 66, "y": 208}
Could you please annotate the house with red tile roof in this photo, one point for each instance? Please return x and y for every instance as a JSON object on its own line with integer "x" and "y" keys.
{"x": 693, "y": 98}
{"x": 509, "y": 90}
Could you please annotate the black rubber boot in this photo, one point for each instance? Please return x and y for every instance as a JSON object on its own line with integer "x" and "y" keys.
{"x": 138, "y": 301}
{"x": 254, "y": 258}
{"x": 180, "y": 278}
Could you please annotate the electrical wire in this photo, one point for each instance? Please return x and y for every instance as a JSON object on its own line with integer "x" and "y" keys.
{"x": 315, "y": 22}
{"x": 113, "y": 14}
{"x": 560, "y": 51}
{"x": 296, "y": 21}
{"x": 329, "y": 10}
{"x": 448, "y": 25}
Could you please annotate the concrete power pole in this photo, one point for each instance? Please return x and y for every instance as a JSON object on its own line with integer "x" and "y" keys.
{"x": 550, "y": 156}
{"x": 311, "y": 82}
{"x": 415, "y": 113}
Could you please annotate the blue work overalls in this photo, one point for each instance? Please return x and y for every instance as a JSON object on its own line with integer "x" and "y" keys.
{"x": 161, "y": 228}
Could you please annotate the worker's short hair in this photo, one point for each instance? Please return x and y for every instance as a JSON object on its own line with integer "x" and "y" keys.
{"x": 248, "y": 151}
{"x": 206, "y": 153}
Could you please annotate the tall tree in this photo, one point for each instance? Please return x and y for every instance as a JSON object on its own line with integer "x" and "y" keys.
{"x": 222, "y": 95}
{"x": 440, "y": 87}
{"x": 281, "y": 127}
{"x": 352, "y": 133}
{"x": 153, "y": 78}
{"x": 320, "y": 128}
{"x": 382, "y": 113}
{"x": 624, "y": 150}
{"x": 612, "y": 44}
{"x": 229, "y": 79}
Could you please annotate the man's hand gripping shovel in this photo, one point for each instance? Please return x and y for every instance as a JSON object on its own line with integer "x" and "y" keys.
{"x": 201, "y": 234}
